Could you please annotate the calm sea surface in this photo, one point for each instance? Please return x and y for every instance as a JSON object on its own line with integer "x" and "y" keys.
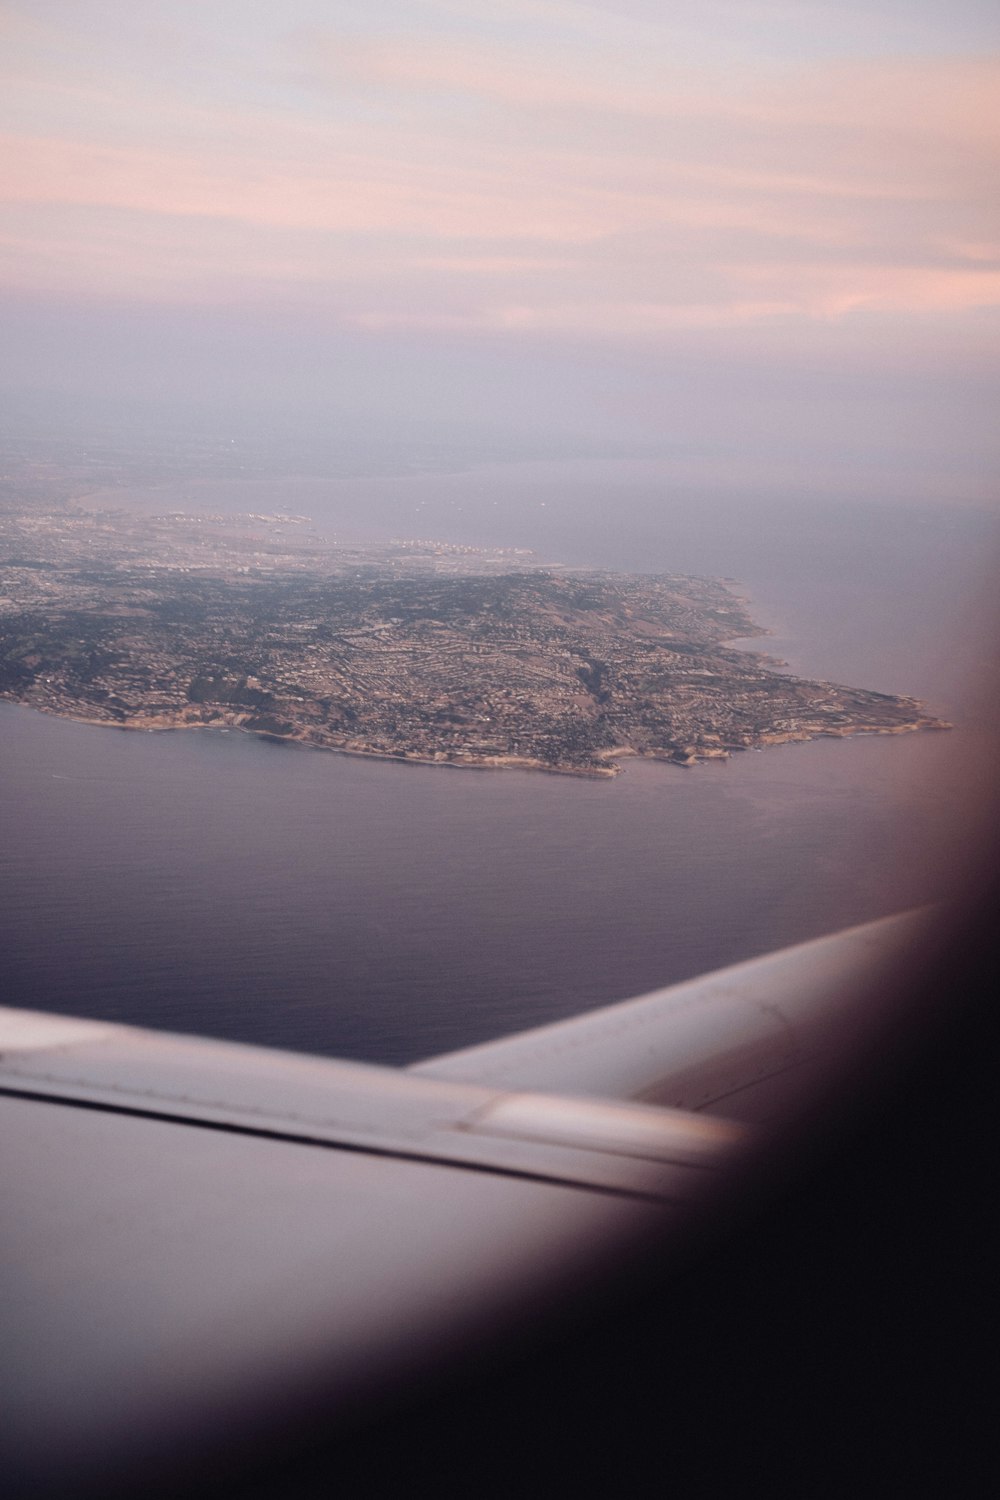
{"x": 211, "y": 882}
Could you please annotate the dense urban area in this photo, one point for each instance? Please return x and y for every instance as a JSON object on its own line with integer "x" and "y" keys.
{"x": 418, "y": 650}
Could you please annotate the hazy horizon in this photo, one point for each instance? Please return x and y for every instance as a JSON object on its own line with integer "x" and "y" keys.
{"x": 758, "y": 240}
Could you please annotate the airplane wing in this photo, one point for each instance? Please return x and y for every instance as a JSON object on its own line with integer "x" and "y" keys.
{"x": 201, "y": 1240}
{"x": 747, "y": 1042}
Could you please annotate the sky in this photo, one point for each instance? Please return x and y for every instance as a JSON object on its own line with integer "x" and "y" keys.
{"x": 766, "y": 233}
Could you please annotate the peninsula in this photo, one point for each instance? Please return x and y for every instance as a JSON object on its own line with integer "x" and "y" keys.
{"x": 415, "y": 650}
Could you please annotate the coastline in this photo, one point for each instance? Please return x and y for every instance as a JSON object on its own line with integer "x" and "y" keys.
{"x": 490, "y": 763}
{"x": 562, "y": 664}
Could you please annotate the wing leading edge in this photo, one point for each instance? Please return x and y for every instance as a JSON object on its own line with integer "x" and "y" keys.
{"x": 746, "y": 1042}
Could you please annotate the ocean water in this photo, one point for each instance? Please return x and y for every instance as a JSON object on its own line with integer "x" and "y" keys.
{"x": 209, "y": 882}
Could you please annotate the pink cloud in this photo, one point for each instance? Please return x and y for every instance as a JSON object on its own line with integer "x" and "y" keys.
{"x": 349, "y": 192}
{"x": 832, "y": 291}
{"x": 639, "y": 208}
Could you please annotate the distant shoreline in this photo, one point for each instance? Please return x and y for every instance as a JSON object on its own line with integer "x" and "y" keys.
{"x": 484, "y": 763}
{"x": 418, "y": 651}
